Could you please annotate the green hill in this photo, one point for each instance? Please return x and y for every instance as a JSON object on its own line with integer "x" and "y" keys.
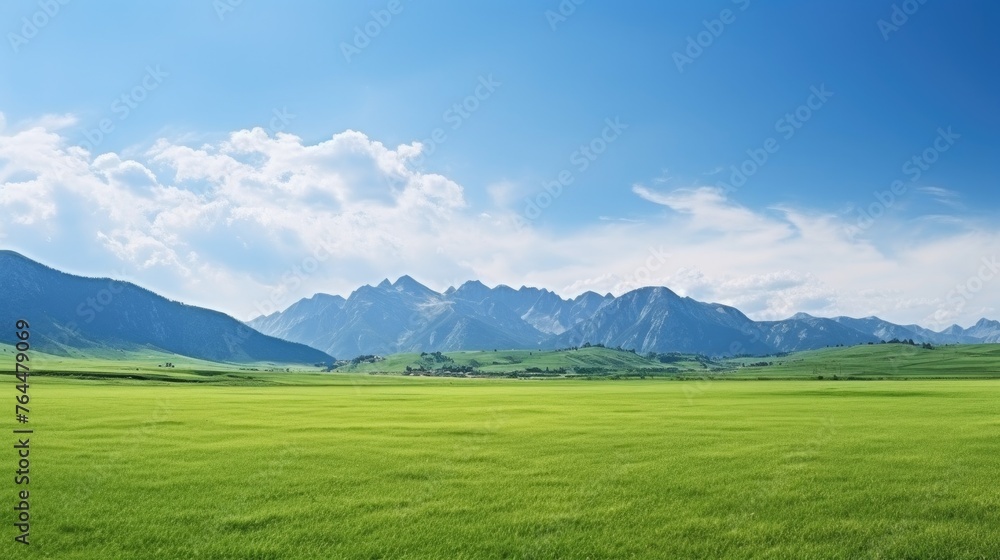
{"x": 879, "y": 361}
{"x": 875, "y": 362}
{"x": 591, "y": 361}
{"x": 147, "y": 364}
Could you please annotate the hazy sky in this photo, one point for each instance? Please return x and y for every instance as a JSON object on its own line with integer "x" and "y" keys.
{"x": 776, "y": 156}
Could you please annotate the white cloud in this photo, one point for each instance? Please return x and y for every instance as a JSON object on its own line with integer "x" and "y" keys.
{"x": 618, "y": 219}
{"x": 944, "y": 196}
{"x": 257, "y": 221}
{"x": 52, "y": 122}
{"x": 708, "y": 209}
{"x": 503, "y": 194}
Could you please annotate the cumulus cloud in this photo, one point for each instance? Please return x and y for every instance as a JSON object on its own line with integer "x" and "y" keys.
{"x": 253, "y": 222}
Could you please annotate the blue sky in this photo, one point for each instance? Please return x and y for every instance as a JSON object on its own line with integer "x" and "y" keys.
{"x": 550, "y": 77}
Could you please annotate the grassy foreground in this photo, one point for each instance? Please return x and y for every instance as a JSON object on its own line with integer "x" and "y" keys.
{"x": 391, "y": 467}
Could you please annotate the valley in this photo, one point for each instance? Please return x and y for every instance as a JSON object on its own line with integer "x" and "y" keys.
{"x": 644, "y": 425}
{"x": 348, "y": 466}
{"x": 897, "y": 361}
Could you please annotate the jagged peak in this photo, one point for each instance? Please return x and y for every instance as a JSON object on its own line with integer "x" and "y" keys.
{"x": 405, "y": 279}
{"x": 321, "y": 295}
{"x": 470, "y": 285}
{"x": 588, "y": 295}
{"x": 650, "y": 290}
{"x": 407, "y": 282}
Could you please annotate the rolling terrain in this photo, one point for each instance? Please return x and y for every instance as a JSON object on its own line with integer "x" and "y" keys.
{"x": 592, "y": 361}
{"x": 69, "y": 313}
{"x": 878, "y": 361}
{"x": 870, "y": 362}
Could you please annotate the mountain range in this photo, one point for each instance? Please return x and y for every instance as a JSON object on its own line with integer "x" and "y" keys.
{"x": 68, "y": 312}
{"x": 406, "y": 316}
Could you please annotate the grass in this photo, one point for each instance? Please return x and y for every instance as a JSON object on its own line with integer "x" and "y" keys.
{"x": 149, "y": 365}
{"x": 878, "y": 361}
{"x": 395, "y": 467}
{"x": 582, "y": 361}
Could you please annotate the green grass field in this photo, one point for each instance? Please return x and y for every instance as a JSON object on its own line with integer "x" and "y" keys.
{"x": 360, "y": 466}
{"x": 878, "y": 361}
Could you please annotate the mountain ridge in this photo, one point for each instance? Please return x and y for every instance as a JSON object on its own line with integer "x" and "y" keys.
{"x": 67, "y": 311}
{"x": 406, "y": 316}
{"x": 648, "y": 319}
